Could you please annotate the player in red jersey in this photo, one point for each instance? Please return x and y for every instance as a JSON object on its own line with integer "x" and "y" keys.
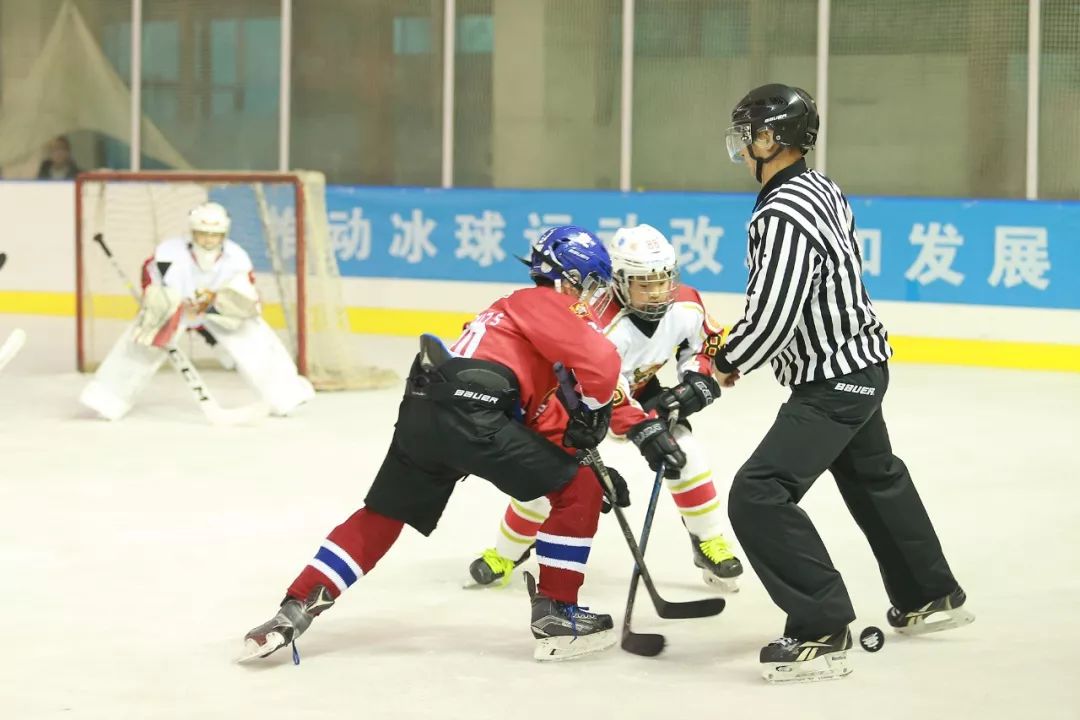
{"x": 487, "y": 408}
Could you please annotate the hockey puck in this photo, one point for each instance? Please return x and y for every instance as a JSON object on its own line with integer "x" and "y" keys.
{"x": 871, "y": 639}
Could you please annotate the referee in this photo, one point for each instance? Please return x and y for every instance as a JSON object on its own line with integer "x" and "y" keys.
{"x": 809, "y": 316}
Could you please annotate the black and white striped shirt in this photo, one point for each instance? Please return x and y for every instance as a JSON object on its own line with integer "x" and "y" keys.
{"x": 807, "y": 310}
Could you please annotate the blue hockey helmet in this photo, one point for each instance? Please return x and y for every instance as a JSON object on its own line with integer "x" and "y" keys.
{"x": 569, "y": 253}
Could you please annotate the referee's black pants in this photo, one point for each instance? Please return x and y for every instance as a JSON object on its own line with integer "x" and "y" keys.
{"x": 834, "y": 425}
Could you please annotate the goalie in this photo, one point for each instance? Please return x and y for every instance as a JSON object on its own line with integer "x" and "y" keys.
{"x": 204, "y": 283}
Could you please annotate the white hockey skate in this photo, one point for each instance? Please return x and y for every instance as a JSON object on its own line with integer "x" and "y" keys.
{"x": 942, "y": 614}
{"x": 564, "y": 631}
{"x": 719, "y": 566}
{"x": 790, "y": 660}
{"x": 290, "y": 622}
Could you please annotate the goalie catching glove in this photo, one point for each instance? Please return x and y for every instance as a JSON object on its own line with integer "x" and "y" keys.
{"x": 694, "y": 393}
{"x": 656, "y": 443}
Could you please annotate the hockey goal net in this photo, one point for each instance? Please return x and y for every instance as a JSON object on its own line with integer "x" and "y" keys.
{"x": 280, "y": 219}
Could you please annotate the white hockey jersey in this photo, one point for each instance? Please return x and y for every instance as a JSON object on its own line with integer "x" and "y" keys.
{"x": 174, "y": 266}
{"x": 685, "y": 332}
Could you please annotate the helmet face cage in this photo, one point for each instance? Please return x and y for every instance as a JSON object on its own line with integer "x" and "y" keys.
{"x": 654, "y": 290}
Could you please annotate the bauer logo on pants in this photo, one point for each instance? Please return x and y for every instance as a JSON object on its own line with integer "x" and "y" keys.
{"x": 857, "y": 389}
{"x": 470, "y": 395}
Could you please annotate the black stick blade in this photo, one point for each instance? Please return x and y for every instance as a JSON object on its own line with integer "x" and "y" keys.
{"x": 644, "y": 644}
{"x": 693, "y": 609}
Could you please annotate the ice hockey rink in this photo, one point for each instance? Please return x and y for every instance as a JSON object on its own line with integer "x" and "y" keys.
{"x": 135, "y": 556}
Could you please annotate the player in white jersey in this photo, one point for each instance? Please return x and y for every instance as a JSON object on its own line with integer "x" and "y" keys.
{"x": 653, "y": 315}
{"x": 203, "y": 282}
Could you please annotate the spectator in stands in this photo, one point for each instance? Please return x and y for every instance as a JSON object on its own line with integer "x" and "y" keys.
{"x": 59, "y": 165}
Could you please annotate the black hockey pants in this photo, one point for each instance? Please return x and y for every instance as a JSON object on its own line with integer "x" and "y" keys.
{"x": 456, "y": 420}
{"x": 834, "y": 425}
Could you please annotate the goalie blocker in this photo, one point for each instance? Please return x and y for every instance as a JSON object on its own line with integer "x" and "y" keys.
{"x": 200, "y": 283}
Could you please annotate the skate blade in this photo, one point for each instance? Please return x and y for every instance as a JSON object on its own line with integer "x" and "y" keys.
{"x": 833, "y": 666}
{"x": 938, "y": 621}
{"x": 724, "y": 585}
{"x": 555, "y": 649}
{"x": 253, "y": 650}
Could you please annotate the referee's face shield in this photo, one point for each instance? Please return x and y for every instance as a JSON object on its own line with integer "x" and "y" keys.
{"x": 738, "y": 138}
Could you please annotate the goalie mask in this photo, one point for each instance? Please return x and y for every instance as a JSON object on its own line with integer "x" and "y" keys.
{"x": 645, "y": 271}
{"x": 209, "y": 224}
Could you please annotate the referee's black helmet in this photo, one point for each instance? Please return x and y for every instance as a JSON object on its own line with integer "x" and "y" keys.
{"x": 788, "y": 111}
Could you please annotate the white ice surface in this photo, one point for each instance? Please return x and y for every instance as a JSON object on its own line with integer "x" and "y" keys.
{"x": 135, "y": 555}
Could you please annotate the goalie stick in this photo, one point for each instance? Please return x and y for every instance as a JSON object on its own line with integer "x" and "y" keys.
{"x": 645, "y": 644}
{"x": 664, "y": 608}
{"x": 12, "y": 346}
{"x": 216, "y": 414}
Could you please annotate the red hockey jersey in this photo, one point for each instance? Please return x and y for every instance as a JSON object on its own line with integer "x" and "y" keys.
{"x": 531, "y": 329}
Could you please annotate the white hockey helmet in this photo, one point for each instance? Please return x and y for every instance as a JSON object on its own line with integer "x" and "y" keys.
{"x": 210, "y": 217}
{"x": 209, "y": 224}
{"x": 645, "y": 271}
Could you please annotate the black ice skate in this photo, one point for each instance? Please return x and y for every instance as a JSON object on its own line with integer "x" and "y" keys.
{"x": 942, "y": 614}
{"x": 790, "y": 660}
{"x": 564, "y": 631}
{"x": 719, "y": 566}
{"x": 290, "y": 622}
{"x": 492, "y": 566}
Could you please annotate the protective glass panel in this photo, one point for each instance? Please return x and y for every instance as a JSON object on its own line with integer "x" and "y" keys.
{"x": 1059, "y": 100}
{"x": 537, "y": 93}
{"x": 959, "y": 72}
{"x": 64, "y": 86}
{"x": 211, "y": 83}
{"x": 693, "y": 61}
{"x": 367, "y": 90}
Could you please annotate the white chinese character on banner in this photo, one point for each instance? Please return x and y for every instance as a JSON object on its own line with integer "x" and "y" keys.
{"x": 350, "y": 234}
{"x": 281, "y": 223}
{"x": 480, "y": 237}
{"x": 870, "y": 250}
{"x": 411, "y": 239}
{"x": 538, "y": 223}
{"x": 607, "y": 226}
{"x": 939, "y": 243}
{"x": 1021, "y": 254}
{"x": 697, "y": 244}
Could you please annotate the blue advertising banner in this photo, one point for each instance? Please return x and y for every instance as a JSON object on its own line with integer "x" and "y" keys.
{"x": 985, "y": 252}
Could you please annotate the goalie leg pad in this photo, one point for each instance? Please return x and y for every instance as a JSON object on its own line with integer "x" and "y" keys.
{"x": 266, "y": 365}
{"x": 126, "y": 370}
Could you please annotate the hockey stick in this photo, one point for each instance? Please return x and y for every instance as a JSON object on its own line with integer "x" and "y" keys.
{"x": 645, "y": 644}
{"x": 12, "y": 346}
{"x": 216, "y": 414}
{"x": 3, "y": 259}
{"x": 664, "y": 608}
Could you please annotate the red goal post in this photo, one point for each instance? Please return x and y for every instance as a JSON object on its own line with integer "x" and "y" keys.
{"x": 279, "y": 218}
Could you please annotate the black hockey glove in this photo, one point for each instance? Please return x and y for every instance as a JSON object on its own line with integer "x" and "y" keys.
{"x": 657, "y": 444}
{"x": 587, "y": 427}
{"x": 622, "y": 493}
{"x": 694, "y": 393}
